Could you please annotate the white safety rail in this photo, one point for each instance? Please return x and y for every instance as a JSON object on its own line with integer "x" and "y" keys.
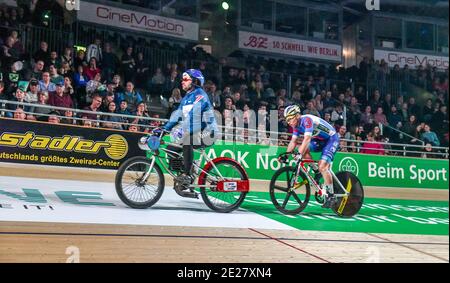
{"x": 254, "y": 136}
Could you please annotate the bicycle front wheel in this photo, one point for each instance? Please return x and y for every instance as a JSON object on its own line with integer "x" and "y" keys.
{"x": 131, "y": 187}
{"x": 225, "y": 202}
{"x": 289, "y": 196}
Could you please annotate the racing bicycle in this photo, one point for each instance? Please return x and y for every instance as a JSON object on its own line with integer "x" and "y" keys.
{"x": 222, "y": 182}
{"x": 290, "y": 188}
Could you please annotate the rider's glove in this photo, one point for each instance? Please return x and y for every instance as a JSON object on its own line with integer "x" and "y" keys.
{"x": 282, "y": 158}
{"x": 205, "y": 134}
{"x": 298, "y": 157}
{"x": 143, "y": 143}
{"x": 156, "y": 131}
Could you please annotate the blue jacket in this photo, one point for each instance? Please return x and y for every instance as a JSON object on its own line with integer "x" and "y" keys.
{"x": 132, "y": 98}
{"x": 80, "y": 81}
{"x": 195, "y": 112}
{"x": 431, "y": 137}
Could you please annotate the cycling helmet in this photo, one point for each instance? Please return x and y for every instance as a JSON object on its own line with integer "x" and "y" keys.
{"x": 291, "y": 111}
{"x": 196, "y": 75}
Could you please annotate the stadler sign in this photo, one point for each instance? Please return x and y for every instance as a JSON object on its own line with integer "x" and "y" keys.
{"x": 127, "y": 19}
{"x": 412, "y": 60}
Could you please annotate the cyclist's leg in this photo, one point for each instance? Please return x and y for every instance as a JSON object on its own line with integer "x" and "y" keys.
{"x": 307, "y": 154}
{"x": 191, "y": 142}
{"x": 313, "y": 146}
{"x": 188, "y": 153}
{"x": 188, "y": 156}
{"x": 324, "y": 169}
{"x": 325, "y": 161}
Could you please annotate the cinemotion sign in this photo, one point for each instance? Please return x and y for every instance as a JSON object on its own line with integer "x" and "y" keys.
{"x": 412, "y": 60}
{"x": 137, "y": 21}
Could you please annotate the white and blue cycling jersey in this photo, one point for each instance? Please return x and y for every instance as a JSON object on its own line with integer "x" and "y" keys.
{"x": 323, "y": 136}
{"x": 195, "y": 112}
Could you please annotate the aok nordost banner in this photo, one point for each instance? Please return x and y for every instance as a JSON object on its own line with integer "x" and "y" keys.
{"x": 137, "y": 21}
{"x": 289, "y": 46}
{"x": 260, "y": 162}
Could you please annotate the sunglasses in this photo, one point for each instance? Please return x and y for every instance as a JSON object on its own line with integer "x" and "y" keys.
{"x": 186, "y": 79}
{"x": 290, "y": 118}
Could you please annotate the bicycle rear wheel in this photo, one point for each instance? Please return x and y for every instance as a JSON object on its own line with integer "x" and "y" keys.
{"x": 225, "y": 202}
{"x": 348, "y": 206}
{"x": 286, "y": 199}
{"x": 132, "y": 189}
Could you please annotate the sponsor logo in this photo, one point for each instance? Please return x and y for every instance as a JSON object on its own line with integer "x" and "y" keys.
{"x": 308, "y": 123}
{"x": 142, "y": 20}
{"x": 118, "y": 148}
{"x": 289, "y": 46}
{"x": 115, "y": 146}
{"x": 349, "y": 164}
{"x": 416, "y": 60}
{"x": 413, "y": 60}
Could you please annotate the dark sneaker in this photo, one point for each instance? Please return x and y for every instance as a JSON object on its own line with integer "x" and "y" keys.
{"x": 330, "y": 200}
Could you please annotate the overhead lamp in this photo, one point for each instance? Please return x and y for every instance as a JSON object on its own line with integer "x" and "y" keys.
{"x": 225, "y": 5}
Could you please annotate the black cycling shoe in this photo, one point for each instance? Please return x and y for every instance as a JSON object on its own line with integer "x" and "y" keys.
{"x": 330, "y": 200}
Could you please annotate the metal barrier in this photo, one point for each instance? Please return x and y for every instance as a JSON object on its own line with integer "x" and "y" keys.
{"x": 155, "y": 57}
{"x": 287, "y": 80}
{"x": 57, "y": 40}
{"x": 238, "y": 132}
{"x": 385, "y": 83}
{"x": 398, "y": 131}
{"x": 31, "y": 36}
{"x": 402, "y": 149}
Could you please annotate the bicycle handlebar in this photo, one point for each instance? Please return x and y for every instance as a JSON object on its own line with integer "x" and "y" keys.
{"x": 161, "y": 134}
{"x": 285, "y": 154}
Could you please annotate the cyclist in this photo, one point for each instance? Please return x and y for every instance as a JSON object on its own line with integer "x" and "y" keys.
{"x": 319, "y": 135}
{"x": 196, "y": 115}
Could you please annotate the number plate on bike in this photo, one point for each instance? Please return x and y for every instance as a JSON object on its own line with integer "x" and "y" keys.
{"x": 230, "y": 186}
{"x": 233, "y": 186}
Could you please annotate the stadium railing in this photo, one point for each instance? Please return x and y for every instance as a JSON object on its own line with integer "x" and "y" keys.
{"x": 239, "y": 134}
{"x": 57, "y": 40}
{"x": 388, "y": 83}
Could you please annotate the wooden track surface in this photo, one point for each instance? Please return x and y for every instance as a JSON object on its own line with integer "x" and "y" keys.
{"x": 48, "y": 242}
